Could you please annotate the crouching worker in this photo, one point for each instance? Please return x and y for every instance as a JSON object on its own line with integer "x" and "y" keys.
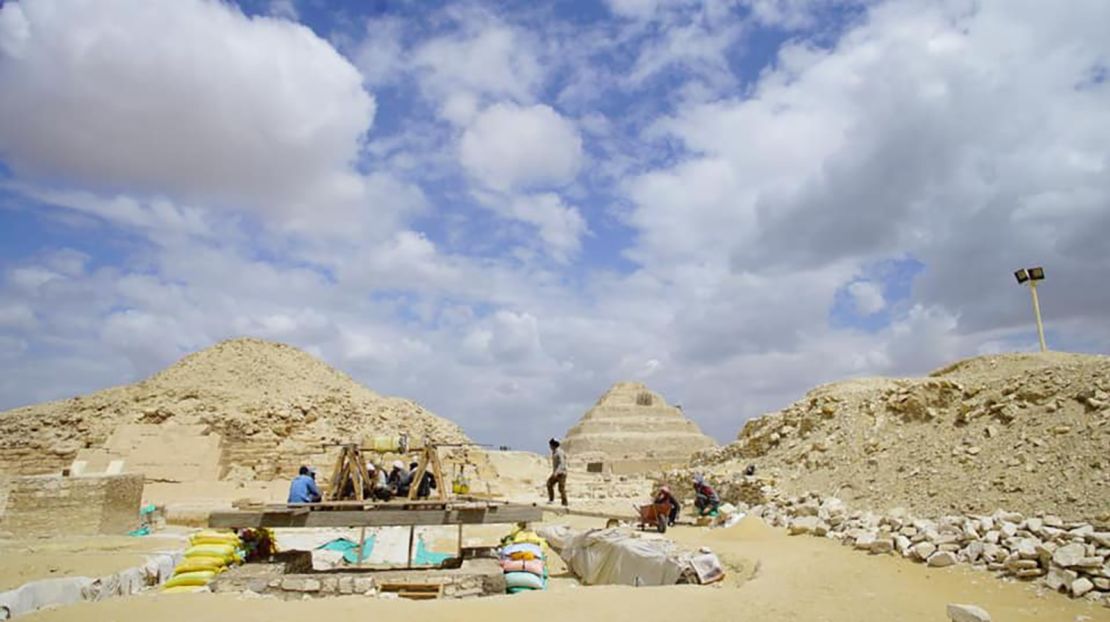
{"x": 379, "y": 485}
{"x": 303, "y": 488}
{"x": 427, "y": 483}
{"x": 664, "y": 496}
{"x": 705, "y": 498}
{"x": 399, "y": 479}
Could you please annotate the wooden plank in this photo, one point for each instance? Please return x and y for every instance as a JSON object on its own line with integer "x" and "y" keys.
{"x": 437, "y": 472}
{"x": 377, "y": 518}
{"x": 420, "y": 470}
{"x": 414, "y": 591}
{"x": 412, "y": 537}
{"x": 361, "y": 544}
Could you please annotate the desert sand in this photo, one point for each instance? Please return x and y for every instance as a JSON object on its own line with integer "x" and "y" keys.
{"x": 794, "y": 579}
{"x": 31, "y": 559}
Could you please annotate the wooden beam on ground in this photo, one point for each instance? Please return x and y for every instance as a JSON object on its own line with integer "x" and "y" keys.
{"x": 496, "y": 514}
{"x": 589, "y": 513}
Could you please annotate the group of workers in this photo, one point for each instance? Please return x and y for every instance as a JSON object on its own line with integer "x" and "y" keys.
{"x": 383, "y": 486}
{"x": 398, "y": 483}
{"x": 706, "y": 500}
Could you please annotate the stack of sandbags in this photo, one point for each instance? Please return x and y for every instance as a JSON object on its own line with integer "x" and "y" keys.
{"x": 209, "y": 554}
{"x": 524, "y": 561}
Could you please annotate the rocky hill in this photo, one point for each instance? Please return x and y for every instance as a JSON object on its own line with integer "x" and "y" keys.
{"x": 273, "y": 405}
{"x": 1025, "y": 432}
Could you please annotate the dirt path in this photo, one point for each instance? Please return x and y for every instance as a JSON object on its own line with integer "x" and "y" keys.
{"x": 795, "y": 578}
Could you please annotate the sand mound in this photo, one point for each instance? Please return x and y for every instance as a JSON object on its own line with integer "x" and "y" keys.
{"x": 633, "y": 429}
{"x": 272, "y": 405}
{"x": 1026, "y": 432}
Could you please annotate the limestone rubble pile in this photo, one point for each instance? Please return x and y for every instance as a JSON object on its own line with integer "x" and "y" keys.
{"x": 274, "y": 407}
{"x": 1071, "y": 557}
{"x": 634, "y": 425}
{"x": 1030, "y": 432}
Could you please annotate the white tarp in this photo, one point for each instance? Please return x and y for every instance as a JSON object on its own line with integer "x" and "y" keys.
{"x": 615, "y": 556}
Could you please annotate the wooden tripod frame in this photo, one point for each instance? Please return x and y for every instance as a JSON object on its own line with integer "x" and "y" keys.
{"x": 351, "y": 481}
{"x": 350, "y": 470}
{"x": 428, "y": 455}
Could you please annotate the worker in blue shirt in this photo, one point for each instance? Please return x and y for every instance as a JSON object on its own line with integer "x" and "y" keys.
{"x": 303, "y": 489}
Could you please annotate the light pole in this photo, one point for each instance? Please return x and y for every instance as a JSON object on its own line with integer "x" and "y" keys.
{"x": 1031, "y": 276}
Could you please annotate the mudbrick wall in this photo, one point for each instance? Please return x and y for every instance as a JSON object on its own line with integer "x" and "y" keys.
{"x": 46, "y": 505}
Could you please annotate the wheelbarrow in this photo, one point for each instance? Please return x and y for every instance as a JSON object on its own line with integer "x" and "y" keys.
{"x": 655, "y": 515}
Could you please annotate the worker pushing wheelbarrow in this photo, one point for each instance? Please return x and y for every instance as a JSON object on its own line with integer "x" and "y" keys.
{"x": 661, "y": 512}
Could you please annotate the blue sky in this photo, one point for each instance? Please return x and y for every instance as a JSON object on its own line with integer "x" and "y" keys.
{"x": 500, "y": 209}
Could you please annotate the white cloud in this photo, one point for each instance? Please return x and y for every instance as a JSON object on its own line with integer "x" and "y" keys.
{"x": 190, "y": 99}
{"x": 867, "y": 297}
{"x": 380, "y": 56}
{"x": 509, "y": 146}
{"x": 16, "y": 316}
{"x": 968, "y": 136}
{"x": 561, "y": 226}
{"x": 640, "y": 9}
{"x": 286, "y": 9}
{"x": 485, "y": 58}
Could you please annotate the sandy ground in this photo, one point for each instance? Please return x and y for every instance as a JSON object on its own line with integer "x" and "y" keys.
{"x": 789, "y": 578}
{"x": 22, "y": 561}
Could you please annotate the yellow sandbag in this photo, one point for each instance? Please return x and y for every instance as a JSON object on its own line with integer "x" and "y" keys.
{"x": 529, "y": 537}
{"x": 523, "y": 555}
{"x": 212, "y": 542}
{"x": 526, "y": 536}
{"x": 206, "y": 537}
{"x": 201, "y": 577}
{"x": 221, "y": 561}
{"x": 185, "y": 589}
{"x": 195, "y": 564}
{"x": 216, "y": 533}
{"x": 222, "y": 551}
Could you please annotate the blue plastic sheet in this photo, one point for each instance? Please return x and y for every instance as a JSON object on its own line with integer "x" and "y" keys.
{"x": 349, "y": 548}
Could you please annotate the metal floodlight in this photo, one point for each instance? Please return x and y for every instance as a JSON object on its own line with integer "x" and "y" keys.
{"x": 1030, "y": 276}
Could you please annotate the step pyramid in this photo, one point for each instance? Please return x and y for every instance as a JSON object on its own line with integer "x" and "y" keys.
{"x": 632, "y": 429}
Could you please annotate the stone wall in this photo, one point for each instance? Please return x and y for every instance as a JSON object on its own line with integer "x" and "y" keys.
{"x": 476, "y": 577}
{"x": 47, "y": 505}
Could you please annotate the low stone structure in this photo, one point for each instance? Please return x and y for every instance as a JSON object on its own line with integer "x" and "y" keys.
{"x": 476, "y": 577}
{"x": 47, "y": 505}
{"x": 632, "y": 429}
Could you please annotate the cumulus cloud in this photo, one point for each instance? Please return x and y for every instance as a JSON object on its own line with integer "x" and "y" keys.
{"x": 511, "y": 147}
{"x": 968, "y": 136}
{"x": 190, "y": 99}
{"x": 484, "y": 58}
{"x": 867, "y": 297}
{"x": 904, "y": 137}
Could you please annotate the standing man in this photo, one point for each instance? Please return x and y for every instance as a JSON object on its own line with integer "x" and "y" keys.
{"x": 558, "y": 473}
